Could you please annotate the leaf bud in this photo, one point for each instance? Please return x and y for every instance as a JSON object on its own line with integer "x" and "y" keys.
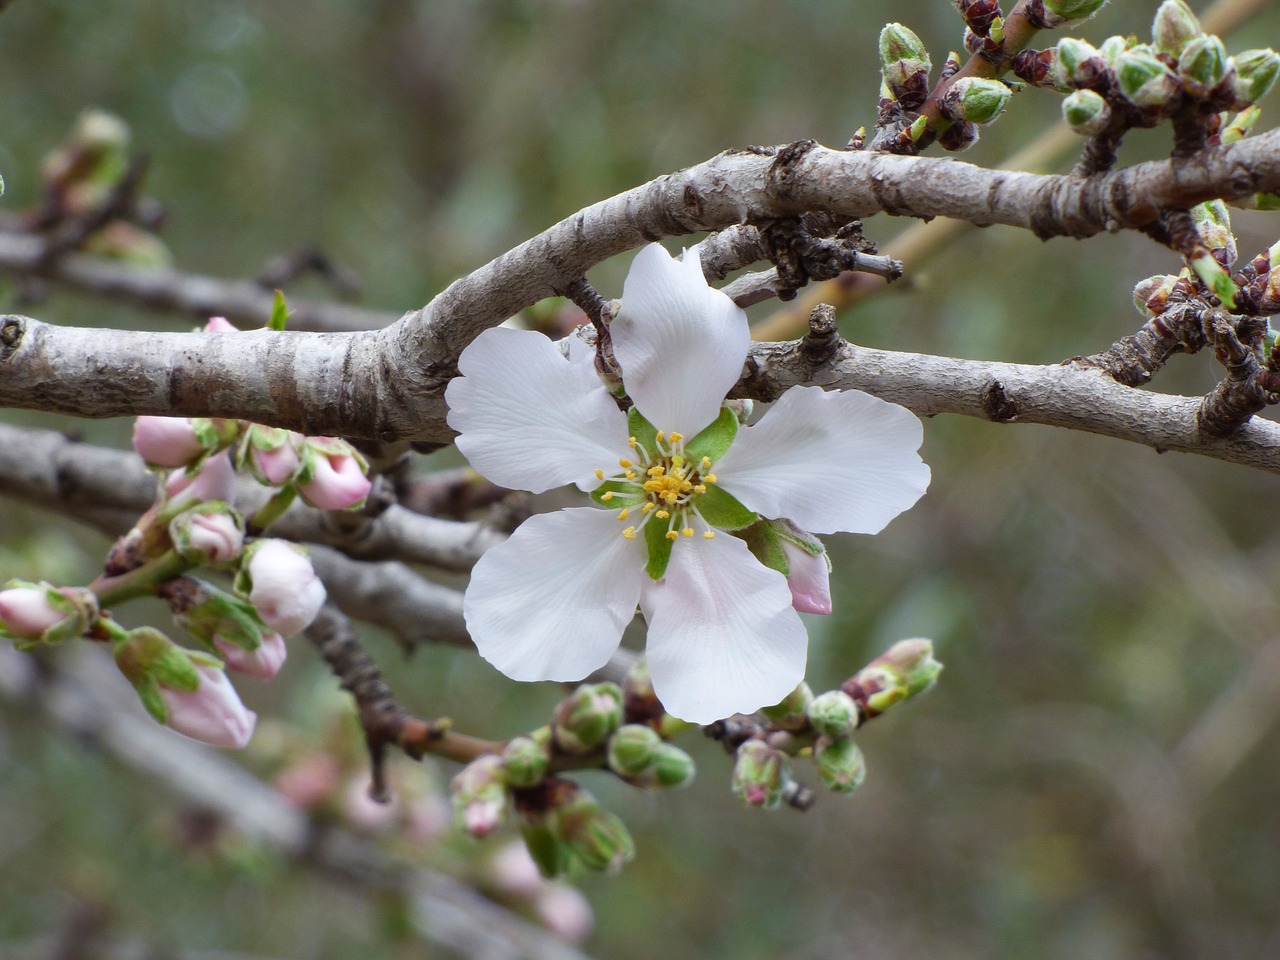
{"x": 900, "y": 43}
{"x": 593, "y": 835}
{"x": 1151, "y": 296}
{"x": 1070, "y": 56}
{"x": 1241, "y": 126}
{"x": 1256, "y": 72}
{"x": 1213, "y": 276}
{"x": 1269, "y": 301}
{"x": 586, "y": 717}
{"x": 905, "y": 64}
{"x": 1213, "y": 222}
{"x": 834, "y": 714}
{"x": 1174, "y": 27}
{"x": 1086, "y": 113}
{"x": 840, "y": 764}
{"x": 1144, "y": 81}
{"x": 760, "y": 774}
{"x": 1058, "y": 13}
{"x": 479, "y": 794}
{"x": 525, "y": 761}
{"x": 904, "y": 670}
{"x": 975, "y": 99}
{"x": 1203, "y": 65}
{"x": 961, "y": 135}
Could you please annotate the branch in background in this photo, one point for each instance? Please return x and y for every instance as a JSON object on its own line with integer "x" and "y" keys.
{"x": 441, "y": 910}
{"x": 246, "y": 303}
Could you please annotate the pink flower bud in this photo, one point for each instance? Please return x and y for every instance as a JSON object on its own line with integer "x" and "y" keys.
{"x": 809, "y": 579}
{"x": 286, "y": 590}
{"x": 513, "y": 872}
{"x": 364, "y": 813}
{"x": 209, "y": 538}
{"x": 220, "y": 325}
{"x": 216, "y": 480}
{"x": 263, "y": 663}
{"x": 310, "y": 781}
{"x": 338, "y": 482}
{"x": 166, "y": 441}
{"x": 277, "y": 465}
{"x": 565, "y": 912}
{"x": 27, "y": 613}
{"x": 211, "y": 713}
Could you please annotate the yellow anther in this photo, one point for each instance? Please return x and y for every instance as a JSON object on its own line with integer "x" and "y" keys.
{"x": 648, "y": 506}
{"x": 700, "y": 488}
{"x": 624, "y": 513}
{"x": 677, "y": 461}
{"x": 630, "y": 474}
{"x": 709, "y": 535}
{"x": 624, "y": 462}
{"x": 706, "y": 463}
{"x": 677, "y": 437}
{"x": 661, "y": 435}
{"x": 599, "y": 474}
{"x": 686, "y": 486}
{"x": 607, "y": 496}
{"x": 671, "y": 497}
{"x": 663, "y": 514}
{"x": 629, "y": 533}
{"x": 687, "y": 531}
{"x": 631, "y": 442}
{"x": 710, "y": 478}
{"x": 672, "y": 535}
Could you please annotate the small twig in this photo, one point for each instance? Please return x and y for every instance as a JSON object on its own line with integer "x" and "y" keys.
{"x": 1247, "y": 388}
{"x": 116, "y": 206}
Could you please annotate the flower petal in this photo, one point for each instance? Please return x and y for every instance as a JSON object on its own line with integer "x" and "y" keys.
{"x": 528, "y": 418}
{"x": 831, "y": 461}
{"x": 723, "y": 637}
{"x": 681, "y": 344}
{"x": 551, "y": 602}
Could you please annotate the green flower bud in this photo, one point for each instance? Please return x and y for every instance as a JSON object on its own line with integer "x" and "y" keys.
{"x": 789, "y": 714}
{"x": 760, "y": 773}
{"x": 633, "y": 750}
{"x": 976, "y": 99}
{"x": 834, "y": 714}
{"x": 1144, "y": 80}
{"x": 1213, "y": 221}
{"x": 592, "y": 834}
{"x": 1070, "y": 54}
{"x": 1061, "y": 12}
{"x": 1174, "y": 27}
{"x": 899, "y": 43}
{"x": 840, "y": 764}
{"x": 1202, "y": 65}
{"x": 207, "y": 612}
{"x": 1086, "y": 113}
{"x": 479, "y": 794}
{"x": 1112, "y": 49}
{"x": 585, "y": 718}
{"x": 673, "y": 767}
{"x": 902, "y": 671}
{"x": 1151, "y": 296}
{"x": 1256, "y": 72}
{"x": 525, "y": 761}
{"x": 551, "y": 856}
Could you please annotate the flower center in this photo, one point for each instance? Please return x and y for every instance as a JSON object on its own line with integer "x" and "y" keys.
{"x": 664, "y": 485}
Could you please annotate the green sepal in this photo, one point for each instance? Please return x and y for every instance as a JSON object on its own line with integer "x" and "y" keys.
{"x": 714, "y": 440}
{"x": 149, "y": 693}
{"x": 551, "y": 856}
{"x": 655, "y": 538}
{"x": 765, "y": 545}
{"x": 646, "y": 433}
{"x": 723, "y": 511}
{"x": 279, "y": 313}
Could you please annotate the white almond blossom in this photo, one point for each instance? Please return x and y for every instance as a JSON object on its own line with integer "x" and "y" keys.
{"x": 676, "y": 474}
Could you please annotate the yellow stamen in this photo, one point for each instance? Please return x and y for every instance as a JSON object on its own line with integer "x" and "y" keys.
{"x": 677, "y": 437}
{"x": 672, "y": 535}
{"x": 631, "y": 442}
{"x": 648, "y": 506}
{"x": 629, "y": 533}
{"x": 625, "y": 463}
{"x": 661, "y": 435}
{"x": 630, "y": 474}
{"x": 687, "y": 531}
{"x": 709, "y": 535}
{"x": 624, "y": 513}
{"x": 706, "y": 463}
{"x": 710, "y": 478}
{"x": 599, "y": 474}
{"x": 663, "y": 514}
{"x": 700, "y": 488}
{"x": 607, "y": 496}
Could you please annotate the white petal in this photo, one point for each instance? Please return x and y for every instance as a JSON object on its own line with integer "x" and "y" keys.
{"x": 551, "y": 602}
{"x": 528, "y": 418}
{"x": 681, "y": 344}
{"x": 723, "y": 637}
{"x": 831, "y": 461}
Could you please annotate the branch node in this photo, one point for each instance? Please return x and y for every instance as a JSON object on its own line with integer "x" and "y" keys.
{"x": 823, "y": 341}
{"x": 997, "y": 405}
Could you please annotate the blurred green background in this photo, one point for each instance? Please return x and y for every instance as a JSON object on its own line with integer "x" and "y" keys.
{"x": 1095, "y": 776}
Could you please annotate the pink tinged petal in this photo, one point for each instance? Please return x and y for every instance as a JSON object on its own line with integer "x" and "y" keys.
{"x": 263, "y": 663}
{"x": 338, "y": 483}
{"x": 528, "y": 418}
{"x": 809, "y": 579}
{"x": 166, "y": 441}
{"x": 831, "y": 461}
{"x": 723, "y": 637}
{"x": 681, "y": 344}
{"x": 212, "y": 712}
{"x": 27, "y": 613}
{"x": 551, "y": 602}
{"x": 215, "y": 480}
{"x": 277, "y": 465}
{"x": 220, "y": 325}
{"x": 215, "y": 536}
{"x": 286, "y": 591}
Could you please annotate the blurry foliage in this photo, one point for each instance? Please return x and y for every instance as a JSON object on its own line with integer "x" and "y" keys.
{"x": 1094, "y": 776}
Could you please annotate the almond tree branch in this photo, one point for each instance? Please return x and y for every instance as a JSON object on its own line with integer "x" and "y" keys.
{"x": 389, "y": 385}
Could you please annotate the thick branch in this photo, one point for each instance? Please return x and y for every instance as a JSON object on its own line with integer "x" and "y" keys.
{"x": 390, "y": 385}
